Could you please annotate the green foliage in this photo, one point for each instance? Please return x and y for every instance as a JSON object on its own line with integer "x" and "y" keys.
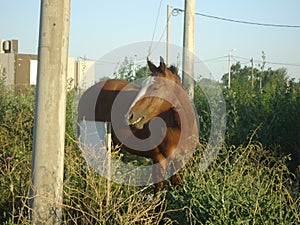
{"x": 245, "y": 185}
{"x": 268, "y": 100}
{"x": 248, "y": 184}
{"x": 128, "y": 70}
{"x": 16, "y": 127}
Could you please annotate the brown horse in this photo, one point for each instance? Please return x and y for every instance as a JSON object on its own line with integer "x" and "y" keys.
{"x": 154, "y": 120}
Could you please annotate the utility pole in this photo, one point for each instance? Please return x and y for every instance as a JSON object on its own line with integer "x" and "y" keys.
{"x": 260, "y": 84}
{"x": 50, "y": 111}
{"x": 168, "y": 35}
{"x": 229, "y": 67}
{"x": 252, "y": 73}
{"x": 188, "y": 47}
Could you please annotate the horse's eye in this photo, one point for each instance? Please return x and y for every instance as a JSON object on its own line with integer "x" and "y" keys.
{"x": 155, "y": 88}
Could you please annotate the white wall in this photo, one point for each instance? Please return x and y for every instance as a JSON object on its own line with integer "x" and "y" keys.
{"x": 7, "y": 64}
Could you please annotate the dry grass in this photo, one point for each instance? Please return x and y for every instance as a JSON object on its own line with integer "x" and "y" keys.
{"x": 245, "y": 185}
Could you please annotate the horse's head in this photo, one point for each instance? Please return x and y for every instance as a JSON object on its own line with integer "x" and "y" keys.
{"x": 155, "y": 96}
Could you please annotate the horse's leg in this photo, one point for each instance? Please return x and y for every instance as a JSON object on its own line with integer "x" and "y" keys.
{"x": 160, "y": 164}
{"x": 176, "y": 178}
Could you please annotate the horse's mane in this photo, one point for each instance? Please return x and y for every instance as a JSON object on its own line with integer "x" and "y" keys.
{"x": 174, "y": 70}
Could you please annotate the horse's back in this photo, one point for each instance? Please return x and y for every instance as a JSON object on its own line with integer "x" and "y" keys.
{"x": 97, "y": 101}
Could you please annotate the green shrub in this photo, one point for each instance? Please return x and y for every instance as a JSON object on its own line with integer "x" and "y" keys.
{"x": 16, "y": 128}
{"x": 245, "y": 185}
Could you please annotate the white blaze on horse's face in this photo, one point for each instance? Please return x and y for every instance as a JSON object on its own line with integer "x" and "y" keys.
{"x": 144, "y": 88}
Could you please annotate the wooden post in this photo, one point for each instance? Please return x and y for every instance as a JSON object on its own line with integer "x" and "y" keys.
{"x": 188, "y": 47}
{"x": 50, "y": 112}
{"x": 108, "y": 160}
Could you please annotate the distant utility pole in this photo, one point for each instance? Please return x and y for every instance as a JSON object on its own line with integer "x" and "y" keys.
{"x": 229, "y": 67}
{"x": 50, "y": 112}
{"x": 252, "y": 73}
{"x": 168, "y": 35}
{"x": 189, "y": 46}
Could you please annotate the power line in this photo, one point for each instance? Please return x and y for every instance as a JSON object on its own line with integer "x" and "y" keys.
{"x": 214, "y": 59}
{"x": 282, "y": 64}
{"x": 164, "y": 31}
{"x": 161, "y": 36}
{"x": 243, "y": 22}
{"x": 269, "y": 62}
{"x": 156, "y": 21}
{"x": 245, "y": 61}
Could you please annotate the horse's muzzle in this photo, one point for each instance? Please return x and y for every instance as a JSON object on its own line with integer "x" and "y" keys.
{"x": 135, "y": 120}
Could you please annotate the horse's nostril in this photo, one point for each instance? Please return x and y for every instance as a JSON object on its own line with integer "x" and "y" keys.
{"x": 130, "y": 117}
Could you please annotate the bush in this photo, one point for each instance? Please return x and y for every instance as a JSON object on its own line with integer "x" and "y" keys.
{"x": 246, "y": 184}
{"x": 16, "y": 128}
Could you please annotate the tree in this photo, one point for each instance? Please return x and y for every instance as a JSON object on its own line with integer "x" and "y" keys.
{"x": 272, "y": 105}
{"x": 128, "y": 70}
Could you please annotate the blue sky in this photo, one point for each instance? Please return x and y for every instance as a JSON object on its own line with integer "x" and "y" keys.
{"x": 98, "y": 27}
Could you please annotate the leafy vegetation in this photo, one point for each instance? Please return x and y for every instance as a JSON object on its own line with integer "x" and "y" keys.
{"x": 128, "y": 70}
{"x": 254, "y": 180}
{"x": 267, "y": 100}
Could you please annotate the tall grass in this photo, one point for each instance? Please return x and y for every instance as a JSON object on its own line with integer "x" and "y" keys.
{"x": 245, "y": 185}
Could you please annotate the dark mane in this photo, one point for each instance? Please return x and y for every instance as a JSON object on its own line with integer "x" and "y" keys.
{"x": 174, "y": 70}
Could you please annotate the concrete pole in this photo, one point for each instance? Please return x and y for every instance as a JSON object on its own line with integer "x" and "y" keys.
{"x": 188, "y": 47}
{"x": 168, "y": 35}
{"x": 229, "y": 69}
{"x": 50, "y": 113}
{"x": 252, "y": 73}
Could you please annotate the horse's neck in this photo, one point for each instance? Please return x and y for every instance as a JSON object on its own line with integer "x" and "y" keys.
{"x": 183, "y": 107}
{"x": 177, "y": 117}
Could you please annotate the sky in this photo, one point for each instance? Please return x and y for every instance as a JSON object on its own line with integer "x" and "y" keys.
{"x": 98, "y": 27}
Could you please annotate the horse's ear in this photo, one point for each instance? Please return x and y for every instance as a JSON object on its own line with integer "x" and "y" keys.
{"x": 152, "y": 67}
{"x": 162, "y": 64}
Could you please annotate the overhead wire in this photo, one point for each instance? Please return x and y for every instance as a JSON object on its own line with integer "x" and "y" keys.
{"x": 155, "y": 26}
{"x": 244, "y": 22}
{"x": 269, "y": 62}
{"x": 245, "y": 61}
{"x": 163, "y": 33}
{"x": 176, "y": 11}
{"x": 214, "y": 59}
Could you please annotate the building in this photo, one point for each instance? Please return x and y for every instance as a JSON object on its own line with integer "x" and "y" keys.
{"x": 20, "y": 70}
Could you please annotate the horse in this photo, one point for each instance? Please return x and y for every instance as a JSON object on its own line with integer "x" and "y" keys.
{"x": 155, "y": 119}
